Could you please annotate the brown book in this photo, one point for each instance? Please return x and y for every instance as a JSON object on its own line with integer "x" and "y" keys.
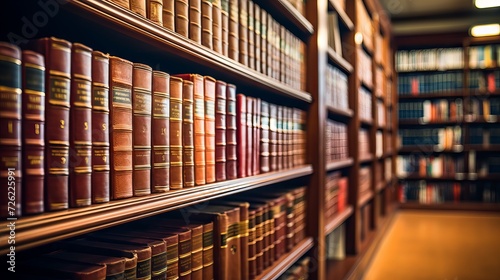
{"x": 217, "y": 25}
{"x": 207, "y": 23}
{"x": 270, "y": 46}
{"x": 249, "y": 142}
{"x": 220, "y": 131}
{"x": 273, "y": 137}
{"x": 168, "y": 14}
{"x": 10, "y": 129}
{"x": 160, "y": 132}
{"x": 290, "y": 221}
{"x": 115, "y": 266}
{"x": 209, "y": 86}
{"x": 251, "y": 34}
{"x": 138, "y": 6}
{"x": 225, "y": 27}
{"x": 256, "y": 136}
{"x": 123, "y": 3}
{"x": 154, "y": 11}
{"x": 241, "y": 124}
{"x": 121, "y": 128}
{"x": 141, "y": 103}
{"x": 243, "y": 31}
{"x": 276, "y": 52}
{"x": 231, "y": 129}
{"x": 260, "y": 242}
{"x": 289, "y": 138}
{"x": 208, "y": 250}
{"x": 258, "y": 37}
{"x": 199, "y": 126}
{"x": 279, "y": 137}
{"x": 100, "y": 127}
{"x": 57, "y": 55}
{"x": 66, "y": 269}
{"x": 282, "y": 53}
{"x": 187, "y": 134}
{"x": 80, "y": 150}
{"x": 176, "y": 174}
{"x": 33, "y": 128}
{"x": 263, "y": 41}
{"x": 233, "y": 33}
{"x": 182, "y": 17}
{"x": 299, "y": 213}
{"x": 264, "y": 137}
{"x": 195, "y": 20}
{"x": 252, "y": 246}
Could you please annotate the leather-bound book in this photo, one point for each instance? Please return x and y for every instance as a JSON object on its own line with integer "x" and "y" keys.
{"x": 241, "y": 132}
{"x": 176, "y": 174}
{"x": 277, "y": 53}
{"x": 100, "y": 127}
{"x": 300, "y": 210}
{"x": 225, "y": 27}
{"x": 195, "y": 20}
{"x": 115, "y": 266}
{"x": 154, "y": 11}
{"x": 250, "y": 143}
{"x": 199, "y": 126}
{"x": 233, "y": 33}
{"x": 289, "y": 138}
{"x": 207, "y": 23}
{"x": 123, "y": 3}
{"x": 220, "y": 131}
{"x": 296, "y": 136}
{"x": 57, "y": 55}
{"x": 260, "y": 242}
{"x": 290, "y": 221}
{"x": 231, "y": 130}
{"x": 65, "y": 269}
{"x": 120, "y": 105}
{"x": 80, "y": 151}
{"x": 251, "y": 34}
{"x": 273, "y": 137}
{"x": 280, "y": 138}
{"x": 217, "y": 25}
{"x": 168, "y": 14}
{"x": 187, "y": 134}
{"x": 142, "y": 77}
{"x": 282, "y": 54}
{"x": 138, "y": 7}
{"x": 209, "y": 86}
{"x": 256, "y": 136}
{"x": 252, "y": 246}
{"x": 270, "y": 46}
{"x": 263, "y": 41}
{"x": 243, "y": 31}
{"x": 258, "y": 38}
{"x": 302, "y": 136}
{"x": 208, "y": 250}
{"x": 33, "y": 128}
{"x": 160, "y": 132}
{"x": 182, "y": 17}
{"x": 10, "y": 129}
{"x": 264, "y": 137}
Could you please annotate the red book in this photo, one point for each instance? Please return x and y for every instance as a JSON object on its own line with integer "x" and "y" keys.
{"x": 33, "y": 128}
{"x": 241, "y": 124}
{"x": 231, "y": 130}
{"x": 280, "y": 138}
{"x": 100, "y": 127}
{"x": 220, "y": 131}
{"x": 250, "y": 142}
{"x": 273, "y": 137}
{"x": 264, "y": 137}
{"x": 209, "y": 86}
{"x": 256, "y": 136}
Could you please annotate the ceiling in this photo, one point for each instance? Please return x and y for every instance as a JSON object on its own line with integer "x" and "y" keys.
{"x": 436, "y": 16}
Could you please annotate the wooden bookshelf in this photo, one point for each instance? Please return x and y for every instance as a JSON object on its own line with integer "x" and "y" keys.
{"x": 339, "y": 164}
{"x": 339, "y": 61}
{"x": 338, "y": 219}
{"x": 433, "y": 95}
{"x": 335, "y": 112}
{"x": 346, "y": 20}
{"x": 285, "y": 10}
{"x": 365, "y": 198}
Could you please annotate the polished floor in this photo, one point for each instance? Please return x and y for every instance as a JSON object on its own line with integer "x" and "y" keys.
{"x": 439, "y": 245}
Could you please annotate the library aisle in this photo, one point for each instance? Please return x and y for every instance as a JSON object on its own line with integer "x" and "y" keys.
{"x": 439, "y": 245}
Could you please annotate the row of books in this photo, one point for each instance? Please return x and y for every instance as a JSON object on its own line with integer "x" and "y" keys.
{"x": 430, "y": 193}
{"x": 483, "y": 165}
{"x": 298, "y": 271}
{"x": 442, "y": 138}
{"x": 238, "y": 29}
{"x": 381, "y": 114}
{"x": 429, "y": 166}
{"x": 484, "y": 136}
{"x": 365, "y": 72}
{"x": 482, "y": 106}
{"x": 429, "y": 59}
{"x": 365, "y": 180}
{"x": 364, "y": 143}
{"x": 484, "y": 82}
{"x": 336, "y": 195}
{"x": 335, "y": 244}
{"x": 435, "y": 110}
{"x": 337, "y": 89}
{"x": 365, "y": 104}
{"x": 233, "y": 238}
{"x": 487, "y": 56}
{"x": 86, "y": 127}
{"x": 336, "y": 144}
{"x": 430, "y": 83}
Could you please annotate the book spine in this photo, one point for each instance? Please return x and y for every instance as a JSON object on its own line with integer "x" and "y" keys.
{"x": 243, "y": 31}
{"x": 217, "y": 25}
{"x": 264, "y": 137}
{"x": 33, "y": 127}
{"x": 208, "y": 250}
{"x": 185, "y": 249}
{"x": 282, "y": 53}
{"x": 176, "y": 175}
{"x": 250, "y": 143}
{"x": 160, "y": 132}
{"x": 290, "y": 221}
{"x": 142, "y": 77}
{"x": 264, "y": 41}
{"x": 259, "y": 240}
{"x": 220, "y": 131}
{"x": 258, "y": 37}
{"x": 225, "y": 27}
{"x": 251, "y": 34}
{"x": 233, "y": 243}
{"x": 80, "y": 152}
{"x": 231, "y": 132}
{"x": 273, "y": 137}
{"x": 172, "y": 256}
{"x": 187, "y": 134}
{"x": 168, "y": 14}
{"x": 10, "y": 129}
{"x": 256, "y": 136}
{"x": 195, "y": 20}
{"x": 270, "y": 44}
{"x": 182, "y": 18}
{"x": 252, "y": 254}
{"x": 268, "y": 235}
{"x": 233, "y": 31}
{"x": 209, "y": 86}
{"x": 279, "y": 137}
{"x": 138, "y": 6}
{"x": 155, "y": 11}
{"x": 207, "y": 23}
{"x": 280, "y": 227}
{"x": 244, "y": 240}
{"x": 290, "y": 137}
{"x": 241, "y": 146}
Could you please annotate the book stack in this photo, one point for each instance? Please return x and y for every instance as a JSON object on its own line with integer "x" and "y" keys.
{"x": 436, "y": 110}
{"x": 365, "y": 73}
{"x": 298, "y": 271}
{"x": 429, "y": 59}
{"x": 364, "y": 143}
{"x": 483, "y": 56}
{"x": 336, "y": 193}
{"x": 336, "y": 141}
{"x": 97, "y": 127}
{"x": 430, "y": 83}
{"x": 430, "y": 166}
{"x": 365, "y": 180}
{"x": 238, "y": 29}
{"x": 365, "y": 104}
{"x": 336, "y": 88}
{"x": 335, "y": 244}
{"x": 484, "y": 82}
{"x": 447, "y": 138}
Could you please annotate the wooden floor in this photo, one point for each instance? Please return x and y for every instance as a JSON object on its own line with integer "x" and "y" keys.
{"x": 439, "y": 245}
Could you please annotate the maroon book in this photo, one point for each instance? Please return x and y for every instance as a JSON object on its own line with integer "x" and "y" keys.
{"x": 231, "y": 129}
{"x": 241, "y": 138}
{"x": 250, "y": 137}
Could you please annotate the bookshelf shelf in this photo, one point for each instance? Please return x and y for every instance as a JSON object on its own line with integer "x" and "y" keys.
{"x": 289, "y": 13}
{"x": 339, "y": 164}
{"x": 457, "y": 177}
{"x": 50, "y": 227}
{"x": 339, "y": 61}
{"x": 430, "y": 149}
{"x": 460, "y": 206}
{"x": 419, "y": 122}
{"x": 366, "y": 122}
{"x": 365, "y": 198}
{"x": 346, "y": 114}
{"x": 482, "y": 148}
{"x": 287, "y": 260}
{"x": 365, "y": 158}
{"x": 431, "y": 70}
{"x": 368, "y": 86}
{"x": 163, "y": 40}
{"x": 436, "y": 95}
{"x": 334, "y": 6}
{"x": 339, "y": 219}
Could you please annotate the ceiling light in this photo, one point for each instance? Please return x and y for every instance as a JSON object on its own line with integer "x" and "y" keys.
{"x": 358, "y": 38}
{"x": 481, "y": 4}
{"x": 485, "y": 30}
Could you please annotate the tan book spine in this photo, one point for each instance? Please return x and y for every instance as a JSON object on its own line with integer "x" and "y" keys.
{"x": 160, "y": 138}
{"x": 182, "y": 17}
{"x": 168, "y": 14}
{"x": 195, "y": 20}
{"x": 233, "y": 33}
{"x": 225, "y": 27}
{"x": 138, "y": 6}
{"x": 207, "y": 23}
{"x": 220, "y": 131}
{"x": 258, "y": 38}
{"x": 217, "y": 25}
{"x": 263, "y": 41}
{"x": 251, "y": 34}
{"x": 243, "y": 31}
{"x": 176, "y": 175}
{"x": 209, "y": 86}
{"x": 155, "y": 11}
{"x": 231, "y": 132}
{"x": 187, "y": 134}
